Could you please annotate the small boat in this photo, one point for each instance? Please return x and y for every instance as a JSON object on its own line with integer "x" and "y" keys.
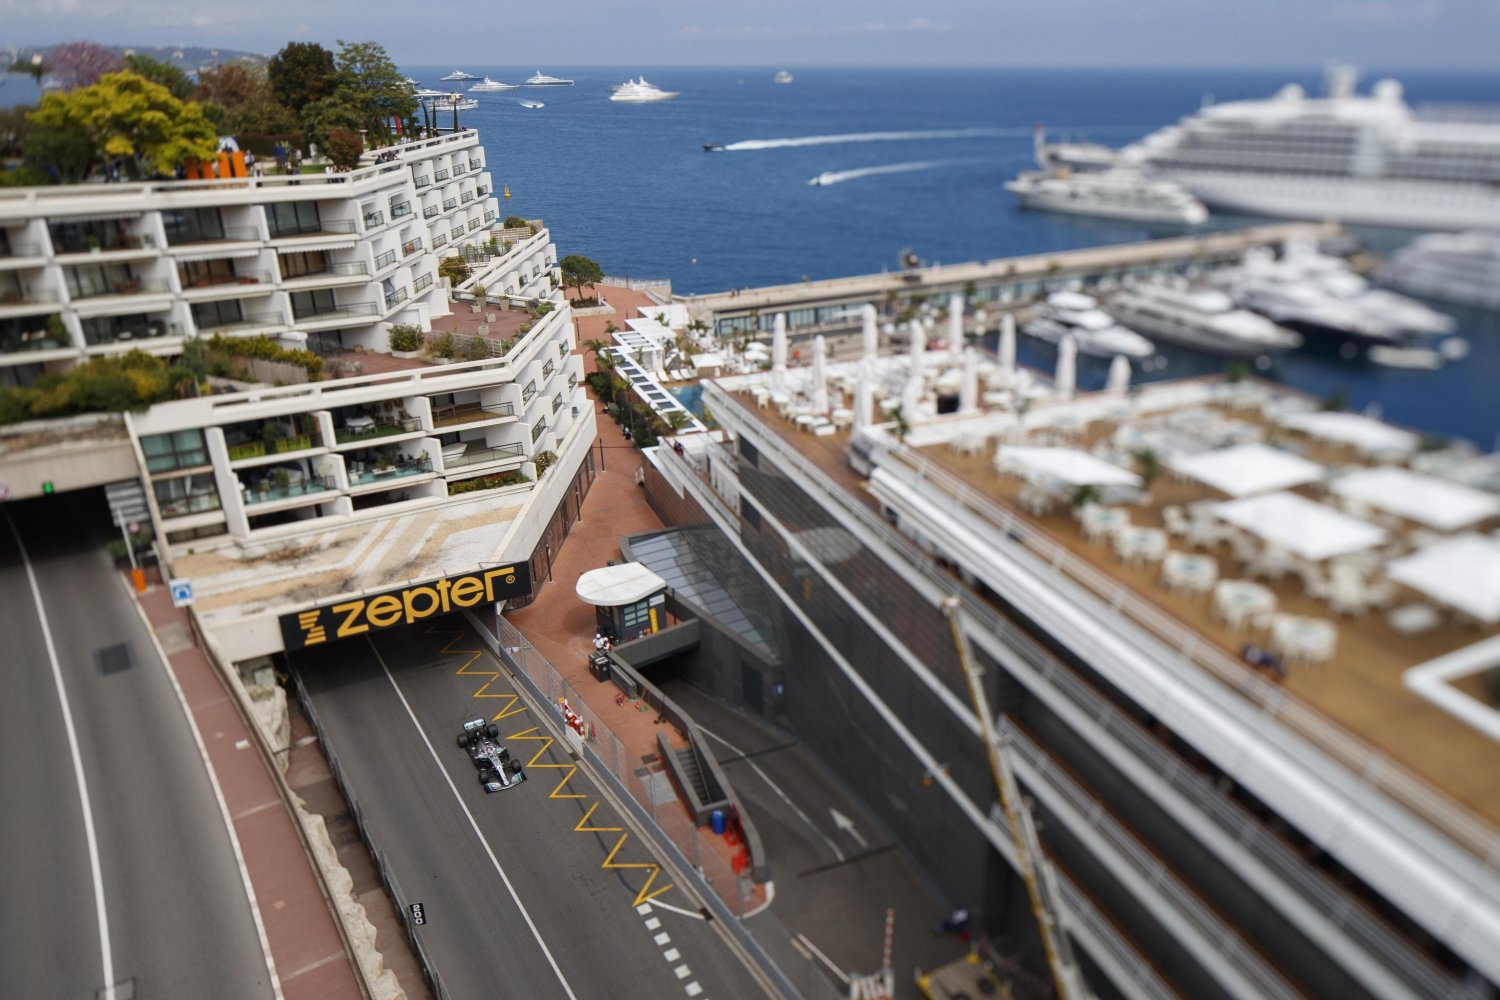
{"x": 540, "y": 79}
{"x": 486, "y": 85}
{"x": 640, "y": 92}
{"x": 1419, "y": 355}
{"x": 532, "y": 104}
{"x": 1073, "y": 314}
{"x": 826, "y": 177}
{"x": 782, "y": 76}
{"x": 712, "y": 147}
{"x": 459, "y": 74}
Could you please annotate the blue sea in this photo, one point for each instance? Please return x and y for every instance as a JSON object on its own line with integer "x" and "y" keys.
{"x": 631, "y": 186}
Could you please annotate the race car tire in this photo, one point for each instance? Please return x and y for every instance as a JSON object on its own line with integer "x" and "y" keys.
{"x": 513, "y": 767}
{"x": 480, "y": 763}
{"x": 486, "y": 776}
{"x": 493, "y": 731}
{"x": 504, "y": 753}
{"x": 463, "y": 739}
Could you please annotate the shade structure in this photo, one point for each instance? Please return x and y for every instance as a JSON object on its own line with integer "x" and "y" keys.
{"x": 1067, "y": 367}
{"x": 911, "y": 400}
{"x": 1118, "y": 379}
{"x": 1247, "y": 469}
{"x": 918, "y": 348}
{"x": 1065, "y": 465}
{"x": 1006, "y": 349}
{"x": 955, "y": 326}
{"x": 1352, "y": 429}
{"x": 819, "y": 392}
{"x": 1462, "y": 572}
{"x": 968, "y": 389}
{"x": 1427, "y": 500}
{"x": 778, "y": 350}
{"x": 864, "y": 395}
{"x": 869, "y": 334}
{"x": 1301, "y": 526}
{"x": 618, "y": 586}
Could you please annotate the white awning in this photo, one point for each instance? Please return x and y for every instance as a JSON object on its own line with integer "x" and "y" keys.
{"x": 1427, "y": 500}
{"x": 1462, "y": 572}
{"x": 1352, "y": 429}
{"x": 220, "y": 253}
{"x": 97, "y": 217}
{"x": 311, "y": 243}
{"x": 1304, "y": 528}
{"x": 618, "y": 586}
{"x": 1247, "y": 469}
{"x": 1066, "y": 465}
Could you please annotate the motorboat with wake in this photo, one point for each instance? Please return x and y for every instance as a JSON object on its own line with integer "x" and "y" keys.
{"x": 1093, "y": 330}
{"x": 1203, "y": 318}
{"x": 641, "y": 92}
{"x": 533, "y": 105}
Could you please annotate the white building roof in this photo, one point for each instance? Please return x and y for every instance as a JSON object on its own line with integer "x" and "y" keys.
{"x": 1428, "y": 500}
{"x": 1351, "y": 428}
{"x": 617, "y": 586}
{"x": 1247, "y": 469}
{"x": 1301, "y": 526}
{"x": 1067, "y": 465}
{"x": 1462, "y": 572}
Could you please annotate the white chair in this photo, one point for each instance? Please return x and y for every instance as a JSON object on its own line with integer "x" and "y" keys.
{"x": 1270, "y": 563}
{"x": 1176, "y": 521}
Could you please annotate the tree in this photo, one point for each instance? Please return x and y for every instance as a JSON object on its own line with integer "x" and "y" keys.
{"x": 127, "y": 116}
{"x": 578, "y": 271}
{"x": 247, "y": 101}
{"x": 65, "y": 153}
{"x": 327, "y": 115}
{"x": 81, "y": 64}
{"x": 370, "y": 81}
{"x": 343, "y": 147}
{"x": 301, "y": 73}
{"x": 454, "y": 269}
{"x": 34, "y": 67}
{"x": 164, "y": 73}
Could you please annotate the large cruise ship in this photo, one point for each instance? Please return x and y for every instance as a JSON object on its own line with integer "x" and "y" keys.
{"x": 1452, "y": 267}
{"x": 1367, "y": 159}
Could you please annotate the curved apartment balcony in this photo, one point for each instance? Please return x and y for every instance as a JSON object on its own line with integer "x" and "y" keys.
{"x": 367, "y": 472}
{"x": 461, "y": 456}
{"x": 273, "y": 488}
{"x": 467, "y": 414}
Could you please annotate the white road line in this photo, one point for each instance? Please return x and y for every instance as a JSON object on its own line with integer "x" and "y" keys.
{"x": 472, "y": 824}
{"x": 662, "y": 938}
{"x": 777, "y": 789}
{"x": 107, "y": 955}
{"x": 652, "y": 924}
{"x": 693, "y": 989}
{"x": 668, "y": 906}
{"x": 671, "y": 954}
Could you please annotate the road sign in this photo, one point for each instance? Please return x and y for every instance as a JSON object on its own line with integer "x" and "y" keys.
{"x": 127, "y": 502}
{"x": 418, "y": 915}
{"x": 182, "y": 592}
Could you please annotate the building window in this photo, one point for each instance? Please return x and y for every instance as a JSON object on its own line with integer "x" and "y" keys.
{"x": 185, "y": 495}
{"x": 211, "y": 314}
{"x": 202, "y": 273}
{"x": 292, "y": 218}
{"x": 313, "y": 302}
{"x": 114, "y": 279}
{"x": 180, "y": 450}
{"x": 192, "y": 225}
{"x": 300, "y": 265}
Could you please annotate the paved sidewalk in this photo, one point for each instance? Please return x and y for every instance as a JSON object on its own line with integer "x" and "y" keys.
{"x": 309, "y": 955}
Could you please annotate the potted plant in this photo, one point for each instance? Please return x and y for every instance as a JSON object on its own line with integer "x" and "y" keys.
{"x": 282, "y": 479}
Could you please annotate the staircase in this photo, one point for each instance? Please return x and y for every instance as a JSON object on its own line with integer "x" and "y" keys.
{"x": 692, "y": 774}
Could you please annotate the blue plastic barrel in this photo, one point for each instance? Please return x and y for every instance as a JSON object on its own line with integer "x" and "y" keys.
{"x": 717, "y": 819}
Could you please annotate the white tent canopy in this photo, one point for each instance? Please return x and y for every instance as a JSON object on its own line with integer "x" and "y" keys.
{"x": 1352, "y": 429}
{"x": 1462, "y": 572}
{"x": 618, "y": 586}
{"x": 1247, "y": 469}
{"x": 1066, "y": 465}
{"x": 1427, "y": 500}
{"x": 1301, "y": 526}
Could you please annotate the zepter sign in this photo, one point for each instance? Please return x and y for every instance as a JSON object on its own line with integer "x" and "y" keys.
{"x": 359, "y": 615}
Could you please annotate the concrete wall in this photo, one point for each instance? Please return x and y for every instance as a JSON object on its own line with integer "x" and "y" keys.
{"x": 73, "y": 453}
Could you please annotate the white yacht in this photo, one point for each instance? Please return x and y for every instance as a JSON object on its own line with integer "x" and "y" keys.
{"x": 459, "y": 74}
{"x": 451, "y": 102}
{"x": 487, "y": 85}
{"x": 1078, "y": 157}
{"x": 1093, "y": 330}
{"x": 540, "y": 79}
{"x": 425, "y": 93}
{"x": 640, "y": 92}
{"x": 1204, "y": 319}
{"x": 532, "y": 105}
{"x": 1366, "y": 159}
{"x": 1112, "y": 194}
{"x": 1452, "y": 267}
{"x": 782, "y": 76}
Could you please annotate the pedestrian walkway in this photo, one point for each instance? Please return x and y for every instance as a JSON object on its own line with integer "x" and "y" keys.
{"x": 310, "y": 960}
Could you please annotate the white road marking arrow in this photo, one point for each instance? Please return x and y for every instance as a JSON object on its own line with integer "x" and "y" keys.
{"x": 847, "y": 825}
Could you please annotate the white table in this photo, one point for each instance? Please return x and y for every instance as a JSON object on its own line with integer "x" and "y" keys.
{"x": 1299, "y": 638}
{"x": 360, "y": 425}
{"x": 1239, "y": 602}
{"x": 1413, "y": 619}
{"x": 1185, "y": 571}
{"x": 1138, "y": 545}
{"x": 1101, "y": 522}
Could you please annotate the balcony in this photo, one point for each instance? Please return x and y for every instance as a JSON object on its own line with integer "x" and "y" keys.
{"x": 457, "y": 414}
{"x": 395, "y": 297}
{"x": 218, "y": 280}
{"x": 481, "y": 190}
{"x": 365, "y": 471}
{"x": 374, "y": 220}
{"x": 457, "y": 232}
{"x": 228, "y": 234}
{"x": 449, "y": 204}
{"x": 557, "y": 402}
{"x": 459, "y": 168}
{"x": 528, "y": 393}
{"x": 464, "y": 197}
{"x": 421, "y": 283}
{"x": 369, "y": 426}
{"x": 474, "y": 224}
{"x": 103, "y": 331}
{"x": 475, "y": 165}
{"x": 422, "y": 182}
{"x": 440, "y": 175}
{"x": 323, "y": 227}
{"x": 125, "y": 286}
{"x": 480, "y": 456}
{"x": 489, "y": 217}
{"x": 439, "y": 239}
{"x": 269, "y": 489}
{"x": 385, "y": 260}
{"x": 430, "y": 212}
{"x": 14, "y": 340}
{"x": 397, "y": 211}
{"x": 18, "y": 248}
{"x": 344, "y": 311}
{"x": 538, "y": 430}
{"x": 411, "y": 246}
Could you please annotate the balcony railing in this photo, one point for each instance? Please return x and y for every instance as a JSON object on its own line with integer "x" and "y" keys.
{"x": 411, "y": 246}
{"x": 126, "y": 286}
{"x": 457, "y": 232}
{"x": 421, "y": 283}
{"x": 439, "y": 239}
{"x": 474, "y": 224}
{"x": 547, "y": 369}
{"x": 230, "y": 234}
{"x": 478, "y": 456}
{"x": 374, "y": 220}
{"x": 557, "y": 402}
{"x": 320, "y": 228}
{"x": 385, "y": 260}
{"x": 464, "y": 413}
{"x": 481, "y": 190}
{"x": 14, "y": 296}
{"x": 36, "y": 340}
{"x": 430, "y": 211}
{"x": 373, "y": 473}
{"x": 20, "y": 249}
{"x": 395, "y": 297}
{"x": 378, "y": 428}
{"x": 459, "y": 168}
{"x": 422, "y": 182}
{"x": 214, "y": 280}
{"x": 397, "y": 211}
{"x": 449, "y": 204}
{"x": 475, "y": 165}
{"x": 464, "y": 197}
{"x": 440, "y": 175}
{"x": 538, "y": 430}
{"x": 528, "y": 393}
{"x": 339, "y": 312}
{"x": 489, "y": 217}
{"x": 269, "y": 491}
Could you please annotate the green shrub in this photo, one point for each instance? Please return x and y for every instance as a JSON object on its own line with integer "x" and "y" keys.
{"x": 516, "y": 222}
{"x": 544, "y": 461}
{"x": 514, "y": 478}
{"x": 474, "y": 349}
{"x": 406, "y": 337}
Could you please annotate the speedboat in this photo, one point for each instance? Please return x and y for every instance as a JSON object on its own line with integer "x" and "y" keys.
{"x": 1112, "y": 194}
{"x": 1453, "y": 267}
{"x": 532, "y": 104}
{"x": 713, "y": 147}
{"x": 489, "y": 85}
{"x": 459, "y": 74}
{"x": 1093, "y": 330}
{"x": 540, "y": 79}
{"x": 1204, "y": 319}
{"x": 640, "y": 92}
{"x": 782, "y": 76}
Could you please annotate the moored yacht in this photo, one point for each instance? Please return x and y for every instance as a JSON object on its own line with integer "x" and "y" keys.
{"x": 451, "y": 102}
{"x": 1093, "y": 330}
{"x": 540, "y": 79}
{"x": 1453, "y": 267}
{"x": 640, "y": 92}
{"x": 459, "y": 74}
{"x": 486, "y": 85}
{"x": 1112, "y": 194}
{"x": 782, "y": 76}
{"x": 1204, "y": 319}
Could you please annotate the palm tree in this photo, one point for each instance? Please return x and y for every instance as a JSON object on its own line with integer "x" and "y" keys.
{"x": 595, "y": 346}
{"x": 676, "y": 420}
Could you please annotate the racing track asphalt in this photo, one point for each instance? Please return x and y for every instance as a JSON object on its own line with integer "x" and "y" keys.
{"x": 180, "y": 923}
{"x": 476, "y": 934}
